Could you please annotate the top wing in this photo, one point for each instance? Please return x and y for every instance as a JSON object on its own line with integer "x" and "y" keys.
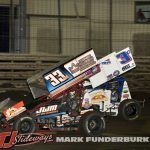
{"x": 112, "y": 66}
{"x": 64, "y": 75}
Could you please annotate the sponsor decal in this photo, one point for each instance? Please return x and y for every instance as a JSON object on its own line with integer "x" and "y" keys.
{"x": 98, "y": 97}
{"x": 109, "y": 77}
{"x": 126, "y": 96}
{"x": 92, "y": 71}
{"x": 61, "y": 120}
{"x": 47, "y": 110}
{"x": 125, "y": 91}
{"x": 106, "y": 62}
{"x": 81, "y": 63}
{"x": 14, "y": 110}
{"x": 126, "y": 67}
{"x": 116, "y": 73}
{"x": 64, "y": 119}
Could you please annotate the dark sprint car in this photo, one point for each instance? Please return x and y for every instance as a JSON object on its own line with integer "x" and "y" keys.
{"x": 78, "y": 94}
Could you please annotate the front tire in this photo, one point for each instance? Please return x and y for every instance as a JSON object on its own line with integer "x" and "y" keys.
{"x": 92, "y": 124}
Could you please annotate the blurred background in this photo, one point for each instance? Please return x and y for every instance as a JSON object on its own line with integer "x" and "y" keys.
{"x": 68, "y": 27}
{"x": 35, "y": 34}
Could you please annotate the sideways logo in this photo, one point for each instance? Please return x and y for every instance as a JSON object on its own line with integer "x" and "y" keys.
{"x": 10, "y": 139}
{"x": 7, "y": 139}
{"x": 47, "y": 110}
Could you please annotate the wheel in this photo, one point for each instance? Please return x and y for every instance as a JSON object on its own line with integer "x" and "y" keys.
{"x": 92, "y": 123}
{"x": 129, "y": 110}
{"x": 25, "y": 124}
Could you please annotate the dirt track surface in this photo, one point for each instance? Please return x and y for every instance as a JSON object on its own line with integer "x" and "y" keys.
{"x": 115, "y": 127}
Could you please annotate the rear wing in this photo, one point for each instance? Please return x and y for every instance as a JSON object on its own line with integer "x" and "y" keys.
{"x": 64, "y": 75}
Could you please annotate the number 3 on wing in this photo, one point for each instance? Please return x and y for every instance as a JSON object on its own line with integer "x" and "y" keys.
{"x": 125, "y": 57}
{"x": 56, "y": 77}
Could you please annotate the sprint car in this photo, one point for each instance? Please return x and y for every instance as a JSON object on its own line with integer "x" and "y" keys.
{"x": 76, "y": 93}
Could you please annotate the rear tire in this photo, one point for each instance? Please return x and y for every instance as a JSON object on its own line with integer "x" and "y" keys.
{"x": 92, "y": 124}
{"x": 25, "y": 124}
{"x": 129, "y": 110}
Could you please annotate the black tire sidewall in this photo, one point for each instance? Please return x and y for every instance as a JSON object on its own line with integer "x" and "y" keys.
{"x": 123, "y": 106}
{"x": 84, "y": 123}
{"x": 19, "y": 121}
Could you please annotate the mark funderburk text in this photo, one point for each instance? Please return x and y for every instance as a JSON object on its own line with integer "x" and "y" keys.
{"x": 103, "y": 139}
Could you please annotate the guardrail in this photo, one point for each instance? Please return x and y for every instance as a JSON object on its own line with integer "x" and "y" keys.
{"x": 16, "y": 68}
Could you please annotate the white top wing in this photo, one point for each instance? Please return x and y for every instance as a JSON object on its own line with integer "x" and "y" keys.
{"x": 112, "y": 66}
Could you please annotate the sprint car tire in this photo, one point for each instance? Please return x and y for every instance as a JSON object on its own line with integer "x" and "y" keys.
{"x": 129, "y": 110}
{"x": 25, "y": 124}
{"x": 92, "y": 124}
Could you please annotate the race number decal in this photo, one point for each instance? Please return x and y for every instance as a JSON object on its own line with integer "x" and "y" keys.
{"x": 124, "y": 57}
{"x": 75, "y": 69}
{"x": 56, "y": 77}
{"x": 125, "y": 60}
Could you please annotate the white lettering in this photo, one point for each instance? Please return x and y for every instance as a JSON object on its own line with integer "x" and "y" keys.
{"x": 47, "y": 109}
